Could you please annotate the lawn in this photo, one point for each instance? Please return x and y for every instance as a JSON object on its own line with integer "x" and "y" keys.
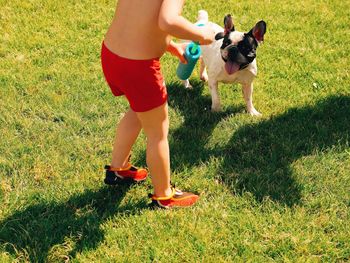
{"x": 274, "y": 188}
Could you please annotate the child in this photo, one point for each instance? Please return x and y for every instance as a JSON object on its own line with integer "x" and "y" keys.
{"x": 137, "y": 37}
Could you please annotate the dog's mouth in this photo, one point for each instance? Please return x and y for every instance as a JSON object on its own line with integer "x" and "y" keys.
{"x": 235, "y": 60}
{"x": 231, "y": 67}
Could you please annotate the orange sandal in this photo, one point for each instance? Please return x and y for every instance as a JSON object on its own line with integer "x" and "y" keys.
{"x": 130, "y": 174}
{"x": 176, "y": 199}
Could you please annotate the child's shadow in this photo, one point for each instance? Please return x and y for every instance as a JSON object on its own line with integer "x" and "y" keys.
{"x": 35, "y": 230}
{"x": 258, "y": 157}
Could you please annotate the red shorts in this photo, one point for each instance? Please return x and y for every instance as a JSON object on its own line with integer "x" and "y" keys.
{"x": 141, "y": 81}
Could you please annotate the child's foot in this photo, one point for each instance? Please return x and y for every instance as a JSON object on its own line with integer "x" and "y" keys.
{"x": 176, "y": 199}
{"x": 130, "y": 174}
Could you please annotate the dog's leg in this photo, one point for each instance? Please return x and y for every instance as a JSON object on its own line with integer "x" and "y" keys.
{"x": 215, "y": 100}
{"x": 203, "y": 75}
{"x": 247, "y": 90}
{"x": 186, "y": 83}
{"x": 203, "y": 71}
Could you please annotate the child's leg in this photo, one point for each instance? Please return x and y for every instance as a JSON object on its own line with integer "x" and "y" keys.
{"x": 127, "y": 131}
{"x": 155, "y": 124}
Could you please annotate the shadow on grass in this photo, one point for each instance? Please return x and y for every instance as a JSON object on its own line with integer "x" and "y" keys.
{"x": 261, "y": 154}
{"x": 187, "y": 143}
{"x": 38, "y": 228}
{"x": 258, "y": 157}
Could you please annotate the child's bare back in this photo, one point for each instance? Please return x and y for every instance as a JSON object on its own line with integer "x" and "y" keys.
{"x": 134, "y": 32}
{"x": 141, "y": 29}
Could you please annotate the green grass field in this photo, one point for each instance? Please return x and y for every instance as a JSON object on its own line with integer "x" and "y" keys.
{"x": 275, "y": 188}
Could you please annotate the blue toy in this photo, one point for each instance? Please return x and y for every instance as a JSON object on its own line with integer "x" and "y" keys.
{"x": 192, "y": 53}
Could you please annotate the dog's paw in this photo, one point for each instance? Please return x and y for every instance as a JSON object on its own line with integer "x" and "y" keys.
{"x": 216, "y": 108}
{"x": 204, "y": 76}
{"x": 254, "y": 112}
{"x": 186, "y": 83}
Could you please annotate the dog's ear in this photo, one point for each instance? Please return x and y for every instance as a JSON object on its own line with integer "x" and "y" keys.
{"x": 258, "y": 31}
{"x": 229, "y": 27}
{"x": 219, "y": 36}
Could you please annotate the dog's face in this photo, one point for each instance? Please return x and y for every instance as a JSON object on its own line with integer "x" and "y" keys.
{"x": 237, "y": 49}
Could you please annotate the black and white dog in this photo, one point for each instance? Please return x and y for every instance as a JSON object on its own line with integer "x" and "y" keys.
{"x": 231, "y": 58}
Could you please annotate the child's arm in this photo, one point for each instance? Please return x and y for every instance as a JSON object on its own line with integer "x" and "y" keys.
{"x": 177, "y": 50}
{"x": 171, "y": 21}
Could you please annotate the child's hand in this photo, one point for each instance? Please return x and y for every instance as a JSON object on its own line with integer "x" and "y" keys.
{"x": 208, "y": 35}
{"x": 181, "y": 51}
{"x": 178, "y": 51}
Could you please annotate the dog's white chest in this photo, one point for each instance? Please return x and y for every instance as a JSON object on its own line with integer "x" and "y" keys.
{"x": 243, "y": 76}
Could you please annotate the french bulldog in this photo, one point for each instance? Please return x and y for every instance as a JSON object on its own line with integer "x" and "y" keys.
{"x": 230, "y": 59}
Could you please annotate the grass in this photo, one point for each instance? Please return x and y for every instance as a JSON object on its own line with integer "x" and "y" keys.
{"x": 275, "y": 188}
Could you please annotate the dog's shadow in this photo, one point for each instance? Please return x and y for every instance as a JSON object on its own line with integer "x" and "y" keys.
{"x": 258, "y": 156}
{"x": 187, "y": 143}
{"x": 35, "y": 231}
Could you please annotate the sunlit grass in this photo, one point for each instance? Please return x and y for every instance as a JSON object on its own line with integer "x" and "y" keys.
{"x": 274, "y": 188}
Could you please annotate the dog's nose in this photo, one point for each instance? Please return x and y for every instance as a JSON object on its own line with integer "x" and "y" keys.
{"x": 235, "y": 55}
{"x": 232, "y": 52}
{"x": 232, "y": 49}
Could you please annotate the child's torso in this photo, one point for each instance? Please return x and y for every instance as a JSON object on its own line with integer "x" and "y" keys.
{"x": 134, "y": 32}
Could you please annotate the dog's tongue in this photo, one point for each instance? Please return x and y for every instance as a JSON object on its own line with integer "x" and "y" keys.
{"x": 231, "y": 67}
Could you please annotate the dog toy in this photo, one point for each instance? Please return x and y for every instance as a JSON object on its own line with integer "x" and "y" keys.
{"x": 192, "y": 54}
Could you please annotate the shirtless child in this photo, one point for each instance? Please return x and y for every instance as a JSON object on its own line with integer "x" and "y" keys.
{"x": 138, "y": 36}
